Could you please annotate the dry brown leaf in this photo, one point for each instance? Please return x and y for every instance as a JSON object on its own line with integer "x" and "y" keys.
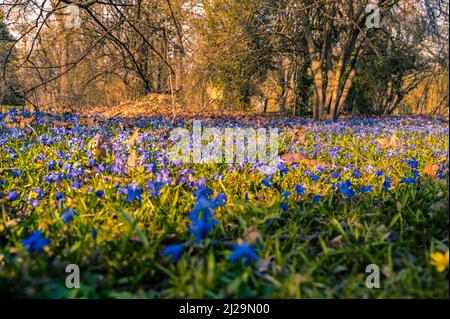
{"x": 132, "y": 159}
{"x": 88, "y": 122}
{"x": 292, "y": 158}
{"x": 298, "y": 158}
{"x": 392, "y": 142}
{"x": 60, "y": 124}
{"x": 431, "y": 170}
{"x": 21, "y": 122}
{"x": 384, "y": 142}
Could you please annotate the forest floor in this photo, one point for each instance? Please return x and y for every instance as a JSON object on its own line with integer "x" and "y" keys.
{"x": 155, "y": 105}
{"x": 105, "y": 194}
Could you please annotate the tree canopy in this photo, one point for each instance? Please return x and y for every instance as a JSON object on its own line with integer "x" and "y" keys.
{"x": 318, "y": 57}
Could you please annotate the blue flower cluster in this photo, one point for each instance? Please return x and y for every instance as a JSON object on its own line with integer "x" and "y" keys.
{"x": 202, "y": 220}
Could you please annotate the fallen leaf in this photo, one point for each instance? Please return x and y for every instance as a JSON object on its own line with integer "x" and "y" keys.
{"x": 88, "y": 122}
{"x": 298, "y": 158}
{"x": 384, "y": 142}
{"x": 392, "y": 142}
{"x": 23, "y": 121}
{"x": 60, "y": 124}
{"x": 132, "y": 159}
{"x": 431, "y": 170}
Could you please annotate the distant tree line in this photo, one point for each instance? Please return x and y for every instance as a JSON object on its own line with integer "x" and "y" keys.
{"x": 318, "y": 57}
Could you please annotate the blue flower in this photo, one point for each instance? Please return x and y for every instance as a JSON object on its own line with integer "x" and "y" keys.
{"x": 99, "y": 193}
{"x": 202, "y": 190}
{"x": 317, "y": 198}
{"x": 51, "y": 165}
{"x": 300, "y": 189}
{"x": 13, "y": 195}
{"x": 441, "y": 173}
{"x": 76, "y": 185}
{"x": 133, "y": 193}
{"x": 17, "y": 173}
{"x": 203, "y": 204}
{"x": 175, "y": 251}
{"x": 68, "y": 215}
{"x": 345, "y": 188}
{"x": 285, "y": 194}
{"x": 246, "y": 197}
{"x": 379, "y": 173}
{"x": 35, "y": 202}
{"x": 266, "y": 182}
{"x": 118, "y": 167}
{"x": 357, "y": 174}
{"x": 202, "y": 217}
{"x": 100, "y": 168}
{"x": 201, "y": 227}
{"x": 155, "y": 187}
{"x": 52, "y": 177}
{"x": 366, "y": 189}
{"x": 59, "y": 196}
{"x": 39, "y": 191}
{"x": 220, "y": 200}
{"x": 314, "y": 178}
{"x": 150, "y": 168}
{"x": 94, "y": 233}
{"x": 284, "y": 206}
{"x": 335, "y": 174}
{"x": 243, "y": 251}
{"x": 413, "y": 163}
{"x": 409, "y": 180}
{"x": 91, "y": 161}
{"x": 387, "y": 183}
{"x": 283, "y": 170}
{"x": 36, "y": 242}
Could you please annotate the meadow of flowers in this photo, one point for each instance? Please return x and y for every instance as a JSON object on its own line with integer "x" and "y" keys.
{"x": 104, "y": 194}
